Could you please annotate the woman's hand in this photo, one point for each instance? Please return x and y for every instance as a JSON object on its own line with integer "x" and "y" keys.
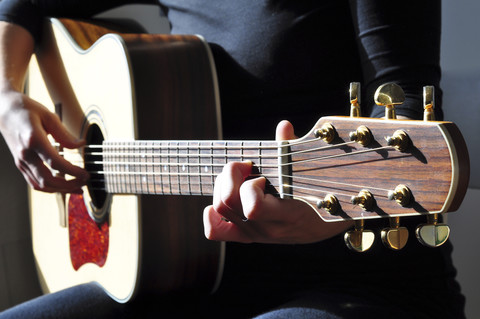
{"x": 242, "y": 212}
{"x": 25, "y": 125}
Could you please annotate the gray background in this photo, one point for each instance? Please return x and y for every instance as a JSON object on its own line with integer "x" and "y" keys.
{"x": 461, "y": 85}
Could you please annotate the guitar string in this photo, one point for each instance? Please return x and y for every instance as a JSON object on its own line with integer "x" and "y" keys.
{"x": 217, "y": 156}
{"x": 144, "y": 175}
{"x": 308, "y": 198}
{"x": 223, "y": 156}
{"x": 200, "y": 147}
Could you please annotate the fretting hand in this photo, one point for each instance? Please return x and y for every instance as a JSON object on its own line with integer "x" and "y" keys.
{"x": 242, "y": 212}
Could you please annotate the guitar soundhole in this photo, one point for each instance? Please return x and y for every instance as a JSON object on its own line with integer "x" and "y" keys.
{"x": 96, "y": 186}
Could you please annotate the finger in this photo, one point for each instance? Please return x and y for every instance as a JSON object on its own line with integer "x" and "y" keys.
{"x": 216, "y": 228}
{"x": 226, "y": 199}
{"x": 284, "y": 131}
{"x": 50, "y": 155}
{"x": 40, "y": 178}
{"x": 261, "y": 207}
{"x": 52, "y": 124}
{"x": 252, "y": 196}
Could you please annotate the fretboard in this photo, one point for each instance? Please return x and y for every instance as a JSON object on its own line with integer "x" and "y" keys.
{"x": 180, "y": 167}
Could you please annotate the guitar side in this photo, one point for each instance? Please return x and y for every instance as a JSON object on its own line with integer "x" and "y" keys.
{"x": 132, "y": 86}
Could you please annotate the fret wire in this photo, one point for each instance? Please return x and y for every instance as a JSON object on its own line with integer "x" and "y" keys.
{"x": 199, "y": 169}
{"x": 260, "y": 155}
{"x": 188, "y": 171}
{"x": 178, "y": 173}
{"x": 211, "y": 165}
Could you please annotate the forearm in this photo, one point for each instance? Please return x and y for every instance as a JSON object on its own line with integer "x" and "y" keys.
{"x": 14, "y": 59}
{"x": 399, "y": 42}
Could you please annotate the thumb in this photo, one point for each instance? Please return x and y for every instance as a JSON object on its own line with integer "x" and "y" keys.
{"x": 285, "y": 131}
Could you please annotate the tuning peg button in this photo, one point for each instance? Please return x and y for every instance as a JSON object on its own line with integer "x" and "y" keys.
{"x": 395, "y": 237}
{"x": 389, "y": 95}
{"x": 432, "y": 234}
{"x": 359, "y": 239}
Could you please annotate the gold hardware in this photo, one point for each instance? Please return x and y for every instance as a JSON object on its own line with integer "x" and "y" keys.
{"x": 326, "y": 132}
{"x": 399, "y": 140}
{"x": 395, "y": 237}
{"x": 359, "y": 239}
{"x": 362, "y": 135}
{"x": 389, "y": 95}
{"x": 402, "y": 195}
{"x": 428, "y": 103}
{"x": 432, "y": 234}
{"x": 330, "y": 204}
{"x": 355, "y": 94}
{"x": 364, "y": 199}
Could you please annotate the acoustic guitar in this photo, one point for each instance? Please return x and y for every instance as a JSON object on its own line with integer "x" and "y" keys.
{"x": 148, "y": 106}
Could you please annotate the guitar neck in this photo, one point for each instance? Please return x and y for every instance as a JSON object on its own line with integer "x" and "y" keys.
{"x": 176, "y": 167}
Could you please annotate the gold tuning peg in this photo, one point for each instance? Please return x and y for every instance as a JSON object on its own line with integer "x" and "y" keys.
{"x": 428, "y": 103}
{"x": 389, "y": 95}
{"x": 395, "y": 237}
{"x": 432, "y": 234}
{"x": 355, "y": 93}
{"x": 330, "y": 204}
{"x": 359, "y": 239}
{"x": 327, "y": 132}
{"x": 364, "y": 199}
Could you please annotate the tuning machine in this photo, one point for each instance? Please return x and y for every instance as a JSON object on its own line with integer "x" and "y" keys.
{"x": 359, "y": 239}
{"x": 395, "y": 237}
{"x": 433, "y": 233}
{"x": 389, "y": 95}
{"x": 327, "y": 132}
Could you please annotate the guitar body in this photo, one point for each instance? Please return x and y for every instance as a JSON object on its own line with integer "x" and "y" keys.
{"x": 129, "y": 86}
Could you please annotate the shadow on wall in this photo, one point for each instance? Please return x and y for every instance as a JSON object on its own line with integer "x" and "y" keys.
{"x": 461, "y": 104}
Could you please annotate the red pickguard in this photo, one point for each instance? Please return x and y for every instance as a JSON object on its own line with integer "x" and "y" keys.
{"x": 88, "y": 239}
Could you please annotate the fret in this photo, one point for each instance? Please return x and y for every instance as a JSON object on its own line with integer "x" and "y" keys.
{"x": 150, "y": 169}
{"x": 137, "y": 170}
{"x": 106, "y": 168}
{"x": 199, "y": 169}
{"x": 149, "y": 176}
{"x": 182, "y": 165}
{"x": 127, "y": 168}
{"x": 124, "y": 179}
{"x": 194, "y": 168}
{"x": 142, "y": 182}
{"x": 157, "y": 167}
{"x": 206, "y": 167}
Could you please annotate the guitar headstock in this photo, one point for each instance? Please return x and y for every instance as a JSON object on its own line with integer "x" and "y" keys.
{"x": 354, "y": 168}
